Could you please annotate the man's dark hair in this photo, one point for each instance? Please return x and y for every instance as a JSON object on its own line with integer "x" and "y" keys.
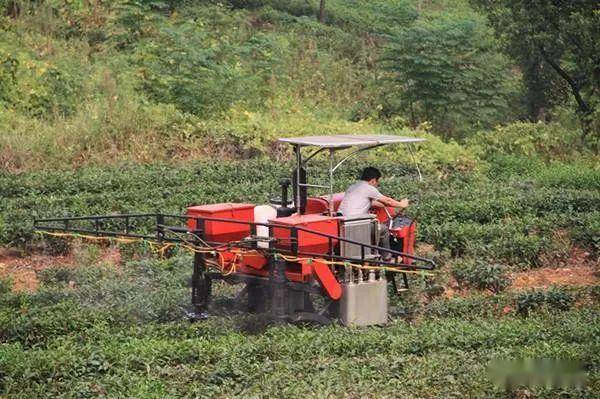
{"x": 369, "y": 173}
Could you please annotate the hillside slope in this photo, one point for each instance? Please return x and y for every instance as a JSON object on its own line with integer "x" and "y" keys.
{"x": 87, "y": 82}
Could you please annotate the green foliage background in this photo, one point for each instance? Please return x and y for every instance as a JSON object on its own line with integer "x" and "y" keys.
{"x": 94, "y": 82}
{"x": 141, "y": 105}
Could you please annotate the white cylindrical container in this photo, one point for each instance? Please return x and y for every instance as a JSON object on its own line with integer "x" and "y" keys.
{"x": 262, "y": 214}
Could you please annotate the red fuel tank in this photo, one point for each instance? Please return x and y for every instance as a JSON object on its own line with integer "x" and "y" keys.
{"x": 307, "y": 242}
{"x": 222, "y": 231}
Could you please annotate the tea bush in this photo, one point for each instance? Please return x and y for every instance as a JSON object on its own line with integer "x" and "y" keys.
{"x": 570, "y": 176}
{"x": 103, "y": 296}
{"x": 107, "y": 335}
{"x": 587, "y": 230}
{"x": 480, "y": 275}
{"x": 5, "y": 286}
{"x": 510, "y": 242}
{"x": 553, "y": 299}
{"x": 470, "y": 307}
{"x": 466, "y": 213}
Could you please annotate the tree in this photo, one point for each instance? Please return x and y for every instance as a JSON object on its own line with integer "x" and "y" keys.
{"x": 447, "y": 71}
{"x": 322, "y": 11}
{"x": 565, "y": 36}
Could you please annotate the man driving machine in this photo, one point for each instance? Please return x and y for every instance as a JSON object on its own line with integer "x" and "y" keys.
{"x": 364, "y": 195}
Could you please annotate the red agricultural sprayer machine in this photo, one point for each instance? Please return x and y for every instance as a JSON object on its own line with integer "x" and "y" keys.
{"x": 298, "y": 259}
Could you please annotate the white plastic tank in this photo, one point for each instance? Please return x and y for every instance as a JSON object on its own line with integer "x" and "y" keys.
{"x": 262, "y": 214}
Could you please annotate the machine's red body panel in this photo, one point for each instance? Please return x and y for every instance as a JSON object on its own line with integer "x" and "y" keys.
{"x": 243, "y": 269}
{"x": 223, "y": 231}
{"x": 327, "y": 280}
{"x": 299, "y": 272}
{"x": 382, "y": 216}
{"x": 254, "y": 260}
{"x": 307, "y": 242}
{"x": 408, "y": 235}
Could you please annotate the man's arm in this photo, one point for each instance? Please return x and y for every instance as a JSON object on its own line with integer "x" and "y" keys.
{"x": 387, "y": 201}
{"x": 377, "y": 204}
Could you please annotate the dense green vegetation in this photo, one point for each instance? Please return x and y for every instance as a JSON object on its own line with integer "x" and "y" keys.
{"x": 101, "y": 331}
{"x": 86, "y": 82}
{"x": 556, "y": 47}
{"x": 154, "y": 84}
{"x": 142, "y": 105}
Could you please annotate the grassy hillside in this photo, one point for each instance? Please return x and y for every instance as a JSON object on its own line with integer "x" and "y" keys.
{"x": 87, "y": 82}
{"x": 130, "y": 80}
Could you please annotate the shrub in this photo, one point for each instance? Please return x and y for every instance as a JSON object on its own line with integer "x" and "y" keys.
{"x": 464, "y": 215}
{"x": 5, "y": 285}
{"x": 586, "y": 231}
{"x": 467, "y": 308}
{"x": 37, "y": 88}
{"x": 433, "y": 290}
{"x": 360, "y": 16}
{"x": 55, "y": 275}
{"x": 554, "y": 298}
{"x": 508, "y": 241}
{"x": 559, "y": 299}
{"x": 376, "y": 16}
{"x": 8, "y": 77}
{"x": 503, "y": 166}
{"x": 443, "y": 158}
{"x": 547, "y": 140}
{"x": 573, "y": 175}
{"x": 480, "y": 275}
{"x": 187, "y": 71}
{"x": 56, "y": 246}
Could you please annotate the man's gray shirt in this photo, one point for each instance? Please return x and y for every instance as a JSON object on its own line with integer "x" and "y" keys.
{"x": 358, "y": 197}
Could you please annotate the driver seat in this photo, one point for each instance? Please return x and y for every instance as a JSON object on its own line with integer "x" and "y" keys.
{"x": 321, "y": 204}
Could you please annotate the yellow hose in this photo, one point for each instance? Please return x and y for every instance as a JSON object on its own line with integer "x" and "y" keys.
{"x": 156, "y": 248}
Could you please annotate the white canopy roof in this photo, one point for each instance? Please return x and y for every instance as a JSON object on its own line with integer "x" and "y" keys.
{"x": 349, "y": 140}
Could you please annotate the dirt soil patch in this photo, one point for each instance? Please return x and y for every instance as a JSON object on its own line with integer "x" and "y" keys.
{"x": 546, "y": 277}
{"x": 22, "y": 270}
{"x": 578, "y": 269}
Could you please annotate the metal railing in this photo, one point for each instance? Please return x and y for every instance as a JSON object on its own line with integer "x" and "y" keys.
{"x": 158, "y": 230}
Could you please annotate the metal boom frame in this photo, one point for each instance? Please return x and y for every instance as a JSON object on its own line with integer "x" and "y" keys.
{"x": 155, "y": 229}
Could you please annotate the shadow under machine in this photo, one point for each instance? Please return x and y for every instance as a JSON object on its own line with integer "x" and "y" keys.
{"x": 297, "y": 258}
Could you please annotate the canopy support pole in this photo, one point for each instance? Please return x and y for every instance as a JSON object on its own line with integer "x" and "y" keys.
{"x": 331, "y": 161}
{"x": 354, "y": 153}
{"x": 410, "y": 149}
{"x": 298, "y": 186}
